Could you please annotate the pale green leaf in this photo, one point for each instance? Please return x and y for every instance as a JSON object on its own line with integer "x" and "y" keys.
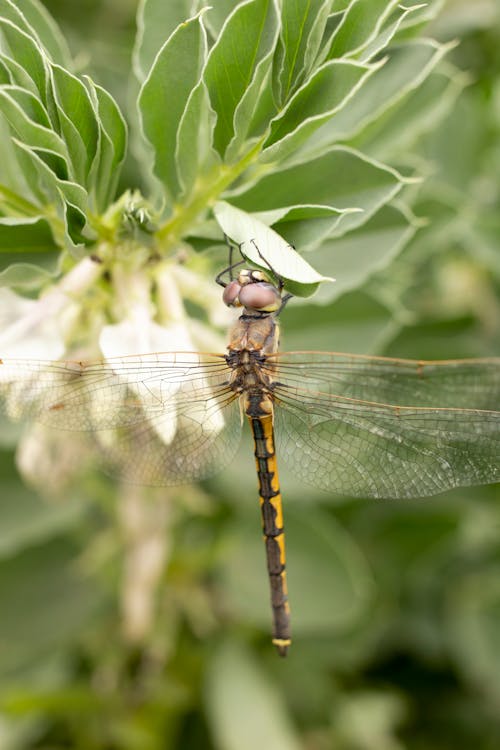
{"x": 250, "y": 99}
{"x": 5, "y": 76}
{"x": 112, "y": 144}
{"x": 396, "y": 131}
{"x": 156, "y": 21}
{"x": 69, "y": 197}
{"x": 30, "y": 104}
{"x": 33, "y": 134}
{"x": 388, "y": 32}
{"x": 245, "y": 709}
{"x": 11, "y": 12}
{"x": 27, "y": 276}
{"x": 77, "y": 120}
{"x": 355, "y": 256}
{"x": 25, "y": 51}
{"x": 355, "y": 322}
{"x": 298, "y": 21}
{"x": 262, "y": 246}
{"x": 306, "y": 226}
{"x": 113, "y": 122}
{"x": 194, "y": 153}
{"x": 164, "y": 96}
{"x": 426, "y": 12}
{"x": 25, "y": 235}
{"x": 47, "y": 31}
{"x": 18, "y": 75}
{"x": 340, "y": 178}
{"x": 359, "y": 26}
{"x": 243, "y": 42}
{"x": 325, "y": 93}
{"x": 218, "y": 15}
{"x": 405, "y": 68}
{"x": 315, "y": 39}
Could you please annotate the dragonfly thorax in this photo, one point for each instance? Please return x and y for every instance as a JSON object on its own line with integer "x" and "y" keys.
{"x": 253, "y": 291}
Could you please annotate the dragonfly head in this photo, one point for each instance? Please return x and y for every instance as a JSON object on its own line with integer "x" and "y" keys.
{"x": 254, "y": 291}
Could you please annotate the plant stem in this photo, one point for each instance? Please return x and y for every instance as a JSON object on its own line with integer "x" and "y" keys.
{"x": 205, "y": 194}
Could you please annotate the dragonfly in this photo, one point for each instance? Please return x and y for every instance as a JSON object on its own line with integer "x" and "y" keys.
{"x": 349, "y": 424}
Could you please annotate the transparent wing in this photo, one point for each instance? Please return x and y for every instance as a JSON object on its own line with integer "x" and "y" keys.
{"x": 206, "y": 438}
{"x": 165, "y": 418}
{"x": 105, "y": 394}
{"x": 472, "y": 384}
{"x": 342, "y": 423}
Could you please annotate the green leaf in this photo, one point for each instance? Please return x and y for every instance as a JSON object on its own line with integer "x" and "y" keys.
{"x": 30, "y": 104}
{"x": 78, "y": 121}
{"x": 12, "y": 13}
{"x": 5, "y": 77}
{"x": 44, "y": 603}
{"x": 218, "y": 15}
{"x": 359, "y": 26}
{"x": 354, "y": 322}
{"x": 340, "y": 178}
{"x": 425, "y": 12}
{"x": 47, "y": 31}
{"x": 27, "y": 54}
{"x": 26, "y": 520}
{"x": 15, "y": 191}
{"x": 302, "y": 25}
{"x": 473, "y": 612}
{"x": 18, "y": 75}
{"x": 355, "y": 256}
{"x": 13, "y": 104}
{"x": 156, "y": 21}
{"x": 112, "y": 145}
{"x": 267, "y": 250}
{"x": 28, "y": 276}
{"x": 306, "y": 227}
{"x": 243, "y": 42}
{"x": 194, "y": 154}
{"x": 237, "y": 692}
{"x": 321, "y": 557}
{"x": 250, "y": 99}
{"x": 405, "y": 69}
{"x": 69, "y": 197}
{"x": 165, "y": 93}
{"x": 20, "y": 235}
{"x": 388, "y": 31}
{"x": 419, "y": 112}
{"x": 324, "y": 94}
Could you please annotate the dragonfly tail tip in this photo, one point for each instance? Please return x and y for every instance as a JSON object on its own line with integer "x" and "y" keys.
{"x": 282, "y": 645}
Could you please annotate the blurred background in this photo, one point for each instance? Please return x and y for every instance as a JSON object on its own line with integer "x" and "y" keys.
{"x": 138, "y": 619}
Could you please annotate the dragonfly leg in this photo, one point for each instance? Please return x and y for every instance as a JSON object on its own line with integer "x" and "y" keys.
{"x": 272, "y": 527}
{"x": 231, "y": 266}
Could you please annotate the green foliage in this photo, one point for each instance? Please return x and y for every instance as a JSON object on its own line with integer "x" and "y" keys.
{"x": 368, "y": 140}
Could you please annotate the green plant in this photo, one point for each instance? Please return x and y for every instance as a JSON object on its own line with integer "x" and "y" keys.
{"x": 322, "y": 119}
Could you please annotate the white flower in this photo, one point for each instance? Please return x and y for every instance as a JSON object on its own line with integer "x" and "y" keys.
{"x": 140, "y": 337}
{"x": 34, "y": 329}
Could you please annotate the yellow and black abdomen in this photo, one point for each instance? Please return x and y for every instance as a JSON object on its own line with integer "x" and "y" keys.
{"x": 259, "y": 410}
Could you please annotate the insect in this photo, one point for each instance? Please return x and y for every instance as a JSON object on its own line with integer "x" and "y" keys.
{"x": 349, "y": 424}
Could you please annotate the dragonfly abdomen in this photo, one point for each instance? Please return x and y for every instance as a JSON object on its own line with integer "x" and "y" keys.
{"x": 272, "y": 525}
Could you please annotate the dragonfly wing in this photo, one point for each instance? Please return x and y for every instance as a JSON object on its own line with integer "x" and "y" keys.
{"x": 375, "y": 450}
{"x": 466, "y": 384}
{"x": 206, "y": 438}
{"x": 110, "y": 393}
{"x": 158, "y": 419}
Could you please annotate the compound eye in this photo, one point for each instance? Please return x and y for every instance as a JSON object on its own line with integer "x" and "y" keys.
{"x": 261, "y": 296}
{"x": 230, "y": 294}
